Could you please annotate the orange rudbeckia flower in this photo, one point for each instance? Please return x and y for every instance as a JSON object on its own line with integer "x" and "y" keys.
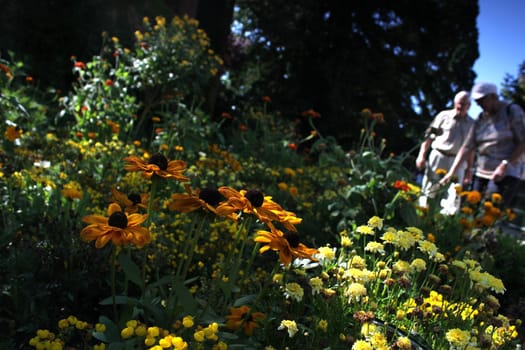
{"x": 242, "y": 317}
{"x": 131, "y": 202}
{"x": 250, "y": 202}
{"x": 206, "y": 198}
{"x": 119, "y": 227}
{"x": 157, "y": 165}
{"x": 287, "y": 244}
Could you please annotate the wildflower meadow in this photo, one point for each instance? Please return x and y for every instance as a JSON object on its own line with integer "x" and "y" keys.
{"x": 133, "y": 219}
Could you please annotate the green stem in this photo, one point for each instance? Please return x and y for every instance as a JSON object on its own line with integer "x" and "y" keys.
{"x": 113, "y": 262}
{"x": 153, "y": 191}
{"x": 189, "y": 250}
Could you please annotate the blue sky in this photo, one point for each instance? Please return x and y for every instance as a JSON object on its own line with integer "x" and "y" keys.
{"x": 501, "y": 26}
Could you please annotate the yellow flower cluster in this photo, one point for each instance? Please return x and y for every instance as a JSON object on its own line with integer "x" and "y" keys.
{"x": 47, "y": 340}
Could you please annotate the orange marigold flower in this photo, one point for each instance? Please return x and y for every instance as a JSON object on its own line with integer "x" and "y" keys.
{"x": 115, "y": 127}
{"x": 80, "y": 65}
{"x": 465, "y": 223}
{"x": 496, "y": 198}
{"x": 379, "y": 117}
{"x": 226, "y": 115}
{"x": 29, "y": 79}
{"x": 473, "y": 197}
{"x": 488, "y": 220}
{"x": 12, "y": 133}
{"x": 401, "y": 185}
{"x": 511, "y": 215}
{"x": 466, "y": 210}
{"x": 287, "y": 244}
{"x": 292, "y": 146}
{"x": 242, "y": 317}
{"x": 243, "y": 127}
{"x": 311, "y": 113}
{"x": 7, "y": 71}
{"x": 157, "y": 165}
{"x": 441, "y": 172}
{"x": 119, "y": 228}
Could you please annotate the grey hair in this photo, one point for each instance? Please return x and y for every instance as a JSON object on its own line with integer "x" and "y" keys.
{"x": 461, "y": 95}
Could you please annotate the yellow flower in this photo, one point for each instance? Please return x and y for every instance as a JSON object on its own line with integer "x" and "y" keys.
{"x": 290, "y": 326}
{"x": 72, "y": 190}
{"x": 322, "y": 325}
{"x": 294, "y": 291}
{"x": 365, "y": 230}
{"x": 362, "y": 345}
{"x": 375, "y": 247}
{"x": 187, "y": 321}
{"x": 375, "y": 222}
{"x": 355, "y": 291}
{"x": 458, "y": 338}
{"x": 127, "y": 332}
{"x": 418, "y": 265}
{"x": 153, "y": 331}
{"x": 346, "y": 241}
{"x": 317, "y": 285}
{"x": 404, "y": 343}
{"x": 326, "y": 253}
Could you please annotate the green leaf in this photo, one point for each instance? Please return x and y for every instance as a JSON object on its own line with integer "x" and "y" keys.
{"x": 112, "y": 333}
{"x": 131, "y": 269}
{"x": 185, "y": 297}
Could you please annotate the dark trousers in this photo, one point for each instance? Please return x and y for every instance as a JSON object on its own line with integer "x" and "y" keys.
{"x": 507, "y": 187}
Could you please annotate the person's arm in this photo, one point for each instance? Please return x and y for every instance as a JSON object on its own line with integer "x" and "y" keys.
{"x": 462, "y": 154}
{"x": 470, "y": 168}
{"x": 423, "y": 150}
{"x": 499, "y": 172}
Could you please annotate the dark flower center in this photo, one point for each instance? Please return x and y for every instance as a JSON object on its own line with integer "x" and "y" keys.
{"x": 118, "y": 219}
{"x": 134, "y": 198}
{"x": 210, "y": 196}
{"x": 159, "y": 160}
{"x": 255, "y": 197}
{"x": 292, "y": 238}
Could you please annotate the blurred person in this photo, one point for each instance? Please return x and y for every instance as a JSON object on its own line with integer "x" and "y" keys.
{"x": 498, "y": 138}
{"x": 444, "y": 138}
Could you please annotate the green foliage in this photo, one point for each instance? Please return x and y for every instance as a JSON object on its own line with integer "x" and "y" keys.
{"x": 133, "y": 93}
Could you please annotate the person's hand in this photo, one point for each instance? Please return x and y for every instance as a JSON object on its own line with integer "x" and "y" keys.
{"x": 446, "y": 179}
{"x": 467, "y": 179}
{"x": 420, "y": 163}
{"x": 499, "y": 172}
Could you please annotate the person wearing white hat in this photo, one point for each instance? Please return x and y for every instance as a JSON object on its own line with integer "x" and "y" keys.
{"x": 498, "y": 138}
